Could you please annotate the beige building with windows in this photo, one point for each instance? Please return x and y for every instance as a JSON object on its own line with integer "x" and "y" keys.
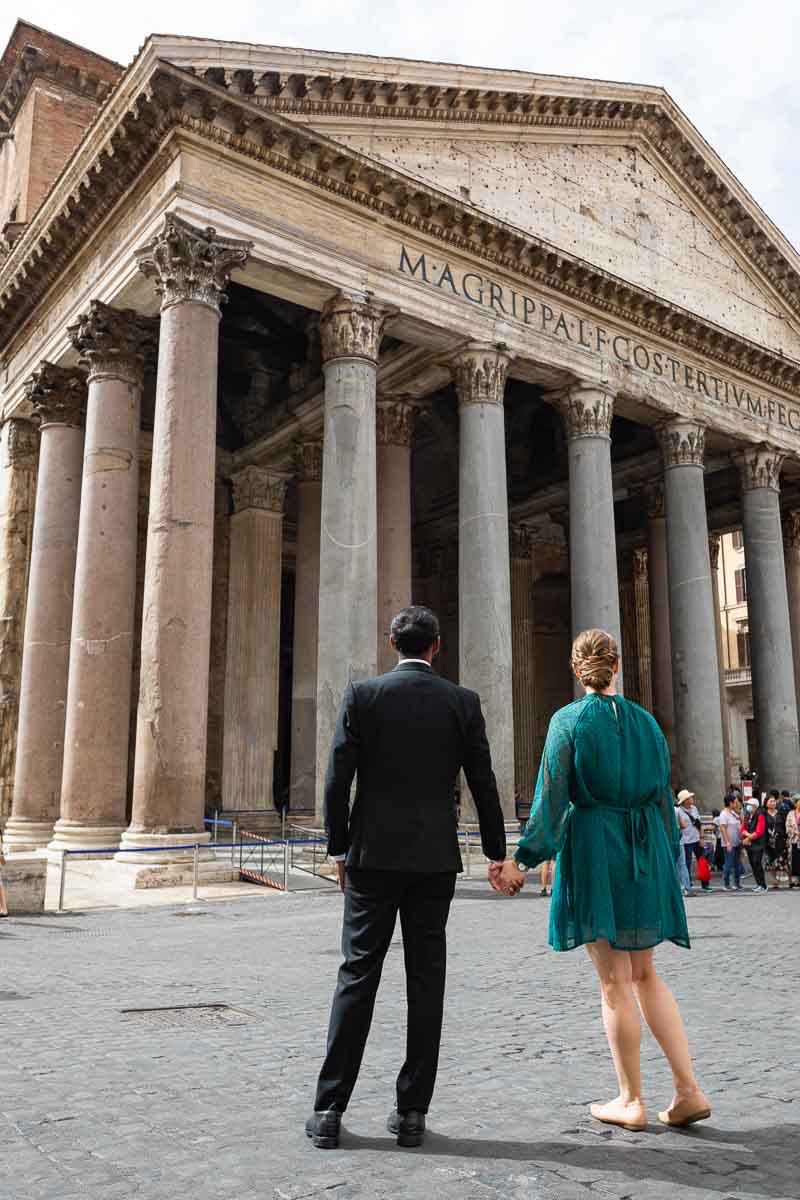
{"x": 289, "y": 338}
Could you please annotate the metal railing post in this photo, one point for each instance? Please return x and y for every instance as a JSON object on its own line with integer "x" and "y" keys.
{"x": 62, "y": 878}
{"x": 286, "y": 866}
{"x": 234, "y": 840}
{"x": 216, "y": 822}
{"x": 196, "y": 871}
{"x": 469, "y": 855}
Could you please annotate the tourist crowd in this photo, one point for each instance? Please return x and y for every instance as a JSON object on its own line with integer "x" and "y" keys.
{"x": 762, "y": 834}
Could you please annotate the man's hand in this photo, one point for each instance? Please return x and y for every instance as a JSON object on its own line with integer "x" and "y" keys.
{"x": 340, "y": 874}
{"x": 506, "y": 877}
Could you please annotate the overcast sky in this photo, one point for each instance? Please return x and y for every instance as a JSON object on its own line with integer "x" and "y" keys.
{"x": 732, "y": 65}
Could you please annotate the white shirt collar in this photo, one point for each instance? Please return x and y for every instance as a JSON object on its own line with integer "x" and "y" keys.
{"x": 424, "y": 661}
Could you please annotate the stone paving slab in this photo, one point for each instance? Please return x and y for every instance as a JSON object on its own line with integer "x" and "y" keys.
{"x": 97, "y": 1103}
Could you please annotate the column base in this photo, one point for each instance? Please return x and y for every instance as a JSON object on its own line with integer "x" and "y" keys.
{"x": 152, "y": 866}
{"x": 22, "y": 835}
{"x": 74, "y": 835}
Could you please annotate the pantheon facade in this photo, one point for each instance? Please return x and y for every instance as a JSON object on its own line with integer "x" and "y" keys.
{"x": 292, "y": 339}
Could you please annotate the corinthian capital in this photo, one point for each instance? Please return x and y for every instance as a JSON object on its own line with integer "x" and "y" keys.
{"x": 191, "y": 264}
{"x": 640, "y": 560}
{"x": 258, "y": 487}
{"x": 308, "y": 461}
{"x": 521, "y": 541}
{"x": 57, "y": 395}
{"x": 760, "y": 467}
{"x": 683, "y": 442}
{"x": 394, "y": 422}
{"x": 791, "y": 529}
{"x": 480, "y": 373}
{"x": 588, "y": 410}
{"x": 21, "y": 443}
{"x": 351, "y": 328}
{"x": 114, "y": 342}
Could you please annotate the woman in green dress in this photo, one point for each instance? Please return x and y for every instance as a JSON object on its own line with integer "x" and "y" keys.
{"x": 604, "y": 807}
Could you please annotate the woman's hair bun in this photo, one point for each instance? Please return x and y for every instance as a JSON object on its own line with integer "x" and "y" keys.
{"x": 594, "y": 656}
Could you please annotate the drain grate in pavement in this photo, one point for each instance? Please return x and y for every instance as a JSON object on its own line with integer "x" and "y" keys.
{"x": 190, "y": 1016}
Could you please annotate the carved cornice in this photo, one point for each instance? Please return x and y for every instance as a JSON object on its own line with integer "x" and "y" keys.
{"x": 114, "y": 342}
{"x": 235, "y": 117}
{"x": 308, "y": 462}
{"x": 714, "y": 543}
{"x": 21, "y": 443}
{"x": 587, "y": 410}
{"x": 256, "y": 487}
{"x": 394, "y": 422}
{"x": 57, "y": 395}
{"x": 791, "y": 529}
{"x": 759, "y": 467}
{"x": 191, "y": 265}
{"x": 479, "y": 373}
{"x": 34, "y": 63}
{"x": 683, "y": 442}
{"x": 653, "y": 499}
{"x": 351, "y": 328}
{"x": 521, "y": 541}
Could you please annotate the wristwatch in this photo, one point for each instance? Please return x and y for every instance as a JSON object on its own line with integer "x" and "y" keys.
{"x": 520, "y": 866}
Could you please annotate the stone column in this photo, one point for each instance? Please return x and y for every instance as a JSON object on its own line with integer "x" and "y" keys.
{"x": 254, "y": 641}
{"x": 774, "y": 697}
{"x": 351, "y": 331}
{"x": 19, "y": 448}
{"x": 523, "y": 632}
{"x": 791, "y": 551}
{"x": 394, "y": 427}
{"x": 660, "y": 638}
{"x": 588, "y": 410}
{"x": 308, "y": 475}
{"x": 641, "y": 604}
{"x": 714, "y": 541}
{"x": 58, "y": 396}
{"x": 698, "y": 720}
{"x": 191, "y": 268}
{"x": 484, "y": 573}
{"x": 114, "y": 345}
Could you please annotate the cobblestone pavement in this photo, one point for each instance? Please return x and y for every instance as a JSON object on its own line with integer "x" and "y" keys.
{"x": 97, "y": 1102}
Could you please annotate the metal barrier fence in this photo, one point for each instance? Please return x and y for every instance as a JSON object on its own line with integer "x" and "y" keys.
{"x": 282, "y": 850}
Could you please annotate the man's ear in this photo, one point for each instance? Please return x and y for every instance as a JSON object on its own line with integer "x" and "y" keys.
{"x": 437, "y": 645}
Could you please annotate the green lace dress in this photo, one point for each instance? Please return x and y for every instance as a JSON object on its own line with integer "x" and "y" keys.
{"x": 604, "y": 807}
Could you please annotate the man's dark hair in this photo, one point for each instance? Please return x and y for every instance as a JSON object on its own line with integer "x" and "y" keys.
{"x": 773, "y": 792}
{"x": 414, "y": 630}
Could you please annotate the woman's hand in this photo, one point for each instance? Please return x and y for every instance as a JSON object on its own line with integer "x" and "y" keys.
{"x": 507, "y": 878}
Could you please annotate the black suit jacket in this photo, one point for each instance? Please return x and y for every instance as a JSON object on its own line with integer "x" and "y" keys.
{"x": 405, "y": 736}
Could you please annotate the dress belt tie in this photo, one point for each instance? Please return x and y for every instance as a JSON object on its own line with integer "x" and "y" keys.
{"x": 638, "y": 834}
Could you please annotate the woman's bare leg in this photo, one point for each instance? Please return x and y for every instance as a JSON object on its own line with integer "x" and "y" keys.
{"x": 624, "y": 1032}
{"x": 660, "y": 1011}
{"x": 3, "y": 901}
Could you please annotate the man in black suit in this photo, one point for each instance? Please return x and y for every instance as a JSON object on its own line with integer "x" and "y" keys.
{"x": 405, "y": 736}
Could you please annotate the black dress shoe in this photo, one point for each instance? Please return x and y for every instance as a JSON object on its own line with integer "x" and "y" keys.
{"x": 409, "y": 1127}
{"x": 323, "y": 1129}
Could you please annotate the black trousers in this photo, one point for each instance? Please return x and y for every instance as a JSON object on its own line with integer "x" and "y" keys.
{"x": 372, "y": 900}
{"x": 756, "y": 857}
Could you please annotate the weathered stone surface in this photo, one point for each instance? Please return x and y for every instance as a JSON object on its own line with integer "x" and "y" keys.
{"x": 660, "y": 637}
{"x": 18, "y": 455}
{"x": 394, "y": 429}
{"x": 484, "y": 579}
{"x": 253, "y": 654}
{"x": 587, "y": 413}
{"x": 523, "y": 638}
{"x": 25, "y": 880}
{"x": 698, "y": 716}
{"x": 308, "y": 462}
{"x": 774, "y": 696}
{"x": 58, "y": 400}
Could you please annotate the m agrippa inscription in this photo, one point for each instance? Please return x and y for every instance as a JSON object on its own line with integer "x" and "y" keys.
{"x": 595, "y": 338}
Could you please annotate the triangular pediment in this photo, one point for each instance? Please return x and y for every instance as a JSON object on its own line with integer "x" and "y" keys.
{"x": 613, "y": 173}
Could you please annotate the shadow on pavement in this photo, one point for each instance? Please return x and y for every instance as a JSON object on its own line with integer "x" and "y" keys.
{"x": 774, "y": 1171}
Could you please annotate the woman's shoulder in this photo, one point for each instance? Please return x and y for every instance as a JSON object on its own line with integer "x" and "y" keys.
{"x": 564, "y": 720}
{"x": 643, "y": 717}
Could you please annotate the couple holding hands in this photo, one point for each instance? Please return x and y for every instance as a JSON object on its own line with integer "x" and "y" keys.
{"x": 603, "y": 807}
